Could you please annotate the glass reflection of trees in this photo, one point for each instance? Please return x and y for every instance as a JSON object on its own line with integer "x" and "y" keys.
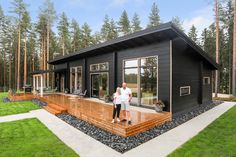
{"x": 142, "y": 71}
{"x": 148, "y": 79}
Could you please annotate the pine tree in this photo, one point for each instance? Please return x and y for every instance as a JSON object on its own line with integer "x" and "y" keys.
{"x": 1, "y": 46}
{"x": 25, "y": 28}
{"x": 63, "y": 31}
{"x": 217, "y": 46}
{"x": 19, "y": 8}
{"x": 124, "y": 24}
{"x": 7, "y": 34}
{"x": 75, "y": 36}
{"x": 32, "y": 44}
{"x": 97, "y": 38}
{"x": 136, "y": 23}
{"x": 2, "y": 49}
{"x": 87, "y": 38}
{"x": 204, "y": 39}
{"x": 177, "y": 21}
{"x": 41, "y": 29}
{"x": 50, "y": 14}
{"x": 105, "y": 28}
{"x": 193, "y": 33}
{"x": 113, "y": 33}
{"x": 154, "y": 18}
{"x": 210, "y": 43}
{"x": 226, "y": 16}
{"x": 234, "y": 53}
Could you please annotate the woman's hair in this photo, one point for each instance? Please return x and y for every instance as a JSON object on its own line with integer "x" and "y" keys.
{"x": 118, "y": 90}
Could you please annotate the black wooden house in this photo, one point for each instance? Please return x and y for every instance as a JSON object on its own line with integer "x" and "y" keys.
{"x": 159, "y": 63}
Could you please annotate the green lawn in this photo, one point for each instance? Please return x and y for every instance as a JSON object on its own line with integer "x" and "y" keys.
{"x": 217, "y": 140}
{"x": 30, "y": 138}
{"x": 15, "y": 107}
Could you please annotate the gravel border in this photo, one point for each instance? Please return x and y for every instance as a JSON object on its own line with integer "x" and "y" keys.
{"x": 6, "y": 100}
{"x": 122, "y": 144}
{"x": 39, "y": 103}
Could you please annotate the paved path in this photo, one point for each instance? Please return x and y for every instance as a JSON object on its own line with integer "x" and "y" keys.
{"x": 163, "y": 145}
{"x": 16, "y": 117}
{"x": 160, "y": 146}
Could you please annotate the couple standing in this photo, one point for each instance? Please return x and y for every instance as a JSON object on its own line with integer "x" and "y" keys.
{"x": 121, "y": 100}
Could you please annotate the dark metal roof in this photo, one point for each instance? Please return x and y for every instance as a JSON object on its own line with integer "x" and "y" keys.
{"x": 162, "y": 32}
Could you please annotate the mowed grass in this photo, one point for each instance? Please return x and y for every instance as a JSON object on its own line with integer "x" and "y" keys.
{"x": 30, "y": 138}
{"x": 15, "y": 107}
{"x": 217, "y": 140}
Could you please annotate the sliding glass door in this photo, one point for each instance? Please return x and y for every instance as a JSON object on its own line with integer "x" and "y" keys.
{"x": 99, "y": 85}
{"x": 76, "y": 79}
{"x": 141, "y": 76}
{"x": 95, "y": 79}
{"x": 131, "y": 78}
{"x": 148, "y": 81}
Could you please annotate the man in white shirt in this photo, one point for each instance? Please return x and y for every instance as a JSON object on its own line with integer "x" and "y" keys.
{"x": 126, "y": 96}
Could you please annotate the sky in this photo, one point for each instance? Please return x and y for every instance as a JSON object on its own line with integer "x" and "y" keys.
{"x": 197, "y": 12}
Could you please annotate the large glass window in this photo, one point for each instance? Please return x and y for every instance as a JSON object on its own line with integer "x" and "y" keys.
{"x": 141, "y": 77}
{"x": 99, "y": 85}
{"x": 148, "y": 81}
{"x": 76, "y": 79}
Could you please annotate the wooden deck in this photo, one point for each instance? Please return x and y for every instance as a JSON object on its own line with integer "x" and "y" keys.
{"x": 100, "y": 114}
{"x": 21, "y": 97}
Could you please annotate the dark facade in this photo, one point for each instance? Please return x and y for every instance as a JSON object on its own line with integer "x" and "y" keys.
{"x": 160, "y": 63}
{"x": 189, "y": 70}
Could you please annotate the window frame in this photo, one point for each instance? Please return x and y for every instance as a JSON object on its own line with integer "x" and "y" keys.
{"x": 99, "y": 67}
{"x": 180, "y": 93}
{"x": 139, "y": 77}
{"x": 208, "y": 80}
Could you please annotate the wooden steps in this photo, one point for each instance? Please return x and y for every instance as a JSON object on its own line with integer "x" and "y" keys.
{"x": 55, "y": 109}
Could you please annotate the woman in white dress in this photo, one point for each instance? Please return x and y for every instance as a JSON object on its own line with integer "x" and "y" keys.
{"x": 116, "y": 105}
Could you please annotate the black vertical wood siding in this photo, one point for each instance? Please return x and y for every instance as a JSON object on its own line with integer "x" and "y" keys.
{"x": 160, "y": 49}
{"x": 101, "y": 58}
{"x": 188, "y": 71}
{"x": 207, "y": 89}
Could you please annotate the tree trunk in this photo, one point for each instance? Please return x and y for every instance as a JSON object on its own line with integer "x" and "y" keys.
{"x": 217, "y": 47}
{"x": 18, "y": 61}
{"x": 63, "y": 47}
{"x": 25, "y": 63}
{"x": 32, "y": 65}
{"x": 4, "y": 68}
{"x": 16, "y": 69}
{"x": 41, "y": 55}
{"x": 0, "y": 75}
{"x": 32, "y": 61}
{"x": 48, "y": 35}
{"x": 10, "y": 55}
{"x": 234, "y": 54}
{"x": 44, "y": 61}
